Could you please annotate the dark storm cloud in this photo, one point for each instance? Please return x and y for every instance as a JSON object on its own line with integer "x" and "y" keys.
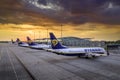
{"x": 117, "y": 2}
{"x": 80, "y": 11}
{"x": 14, "y": 11}
{"x": 62, "y": 11}
{"x": 83, "y": 6}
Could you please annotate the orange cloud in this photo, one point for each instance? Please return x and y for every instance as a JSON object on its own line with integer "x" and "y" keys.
{"x": 88, "y": 30}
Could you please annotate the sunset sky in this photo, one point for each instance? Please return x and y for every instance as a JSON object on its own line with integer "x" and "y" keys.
{"x": 97, "y": 19}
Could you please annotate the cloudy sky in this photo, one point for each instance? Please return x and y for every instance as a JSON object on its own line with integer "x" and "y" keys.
{"x": 97, "y": 19}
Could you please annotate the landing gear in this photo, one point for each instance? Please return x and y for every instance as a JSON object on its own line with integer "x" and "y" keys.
{"x": 79, "y": 56}
{"x": 93, "y": 56}
{"x": 89, "y": 55}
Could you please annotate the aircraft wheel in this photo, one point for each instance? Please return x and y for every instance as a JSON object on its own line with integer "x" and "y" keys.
{"x": 79, "y": 56}
{"x": 93, "y": 56}
{"x": 87, "y": 57}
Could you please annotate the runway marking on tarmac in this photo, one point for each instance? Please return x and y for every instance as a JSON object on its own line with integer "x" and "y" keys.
{"x": 12, "y": 65}
{"x": 0, "y": 54}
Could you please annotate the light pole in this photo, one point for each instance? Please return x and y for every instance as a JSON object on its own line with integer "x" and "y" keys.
{"x": 34, "y": 36}
{"x": 61, "y": 32}
{"x": 47, "y": 36}
{"x": 39, "y": 36}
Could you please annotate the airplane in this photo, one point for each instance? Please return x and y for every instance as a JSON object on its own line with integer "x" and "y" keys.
{"x": 87, "y": 52}
{"x": 12, "y": 41}
{"x": 20, "y": 43}
{"x": 34, "y": 45}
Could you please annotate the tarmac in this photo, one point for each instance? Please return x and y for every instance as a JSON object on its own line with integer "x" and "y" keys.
{"x": 21, "y": 63}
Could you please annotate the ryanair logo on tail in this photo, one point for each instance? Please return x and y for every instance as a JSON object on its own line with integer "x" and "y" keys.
{"x": 54, "y": 42}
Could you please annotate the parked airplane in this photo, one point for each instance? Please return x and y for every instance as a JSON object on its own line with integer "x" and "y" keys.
{"x": 87, "y": 52}
{"x": 20, "y": 43}
{"x": 34, "y": 45}
{"x": 12, "y": 41}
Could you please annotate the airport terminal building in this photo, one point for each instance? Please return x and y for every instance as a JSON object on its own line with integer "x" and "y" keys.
{"x": 82, "y": 42}
{"x": 114, "y": 48}
{"x": 77, "y": 42}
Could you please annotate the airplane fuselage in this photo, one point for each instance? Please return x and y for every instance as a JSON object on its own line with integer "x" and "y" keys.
{"x": 39, "y": 46}
{"x": 58, "y": 48}
{"x": 23, "y": 44}
{"x": 92, "y": 51}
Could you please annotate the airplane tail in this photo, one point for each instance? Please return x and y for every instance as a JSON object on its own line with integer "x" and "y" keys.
{"x": 55, "y": 43}
{"x": 12, "y": 41}
{"x": 18, "y": 41}
{"x": 30, "y": 42}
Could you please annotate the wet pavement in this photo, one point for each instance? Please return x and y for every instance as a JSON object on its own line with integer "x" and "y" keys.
{"x": 20, "y": 63}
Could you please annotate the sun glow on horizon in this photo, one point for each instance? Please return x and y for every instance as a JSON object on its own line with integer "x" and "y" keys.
{"x": 88, "y": 30}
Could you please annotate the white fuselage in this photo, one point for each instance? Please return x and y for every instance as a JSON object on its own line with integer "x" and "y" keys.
{"x": 24, "y": 45}
{"x": 93, "y": 51}
{"x": 40, "y": 46}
